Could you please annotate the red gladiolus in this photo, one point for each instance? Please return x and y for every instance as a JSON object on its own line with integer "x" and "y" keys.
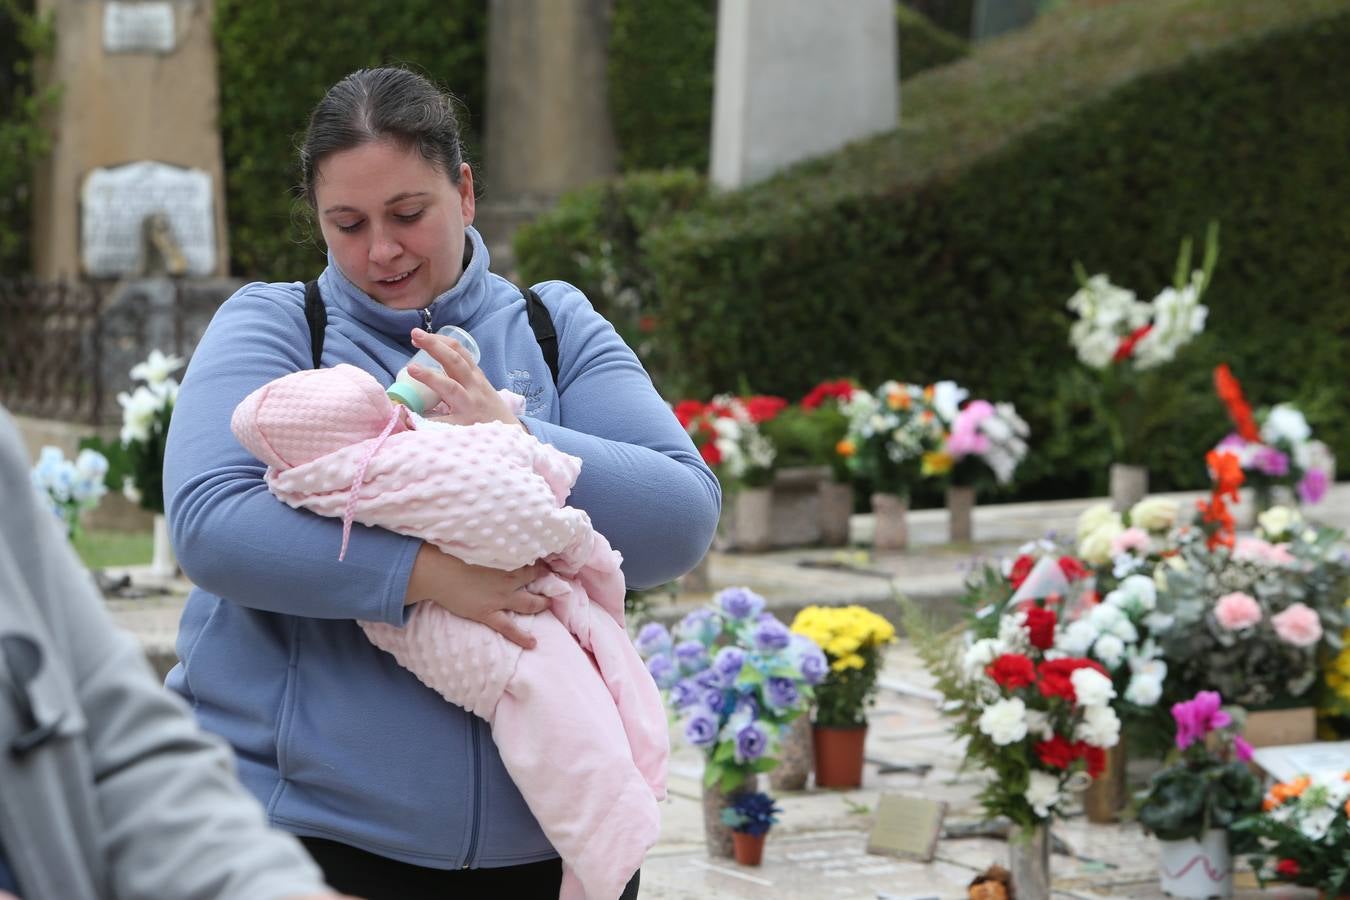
{"x": 1288, "y": 868}
{"x": 1021, "y": 568}
{"x": 1072, "y": 568}
{"x": 1126, "y": 346}
{"x": 1230, "y": 392}
{"x": 1012, "y": 671}
{"x": 1041, "y": 624}
{"x": 1057, "y": 753}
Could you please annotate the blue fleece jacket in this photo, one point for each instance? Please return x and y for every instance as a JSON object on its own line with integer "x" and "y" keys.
{"x": 331, "y": 734}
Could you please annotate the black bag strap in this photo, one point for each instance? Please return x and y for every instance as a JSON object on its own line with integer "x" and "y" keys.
{"x": 317, "y": 317}
{"x": 541, "y": 323}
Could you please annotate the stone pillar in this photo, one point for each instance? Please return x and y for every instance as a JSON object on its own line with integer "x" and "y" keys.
{"x": 798, "y": 79}
{"x": 547, "y": 126}
{"x": 139, "y": 83}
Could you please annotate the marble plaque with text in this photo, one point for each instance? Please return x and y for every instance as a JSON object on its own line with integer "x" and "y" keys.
{"x": 115, "y": 202}
{"x": 144, "y": 27}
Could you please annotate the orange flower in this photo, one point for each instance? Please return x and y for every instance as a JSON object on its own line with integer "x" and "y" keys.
{"x": 1285, "y": 791}
{"x": 1226, "y": 470}
{"x": 897, "y": 398}
{"x": 1230, "y": 392}
{"x": 845, "y": 448}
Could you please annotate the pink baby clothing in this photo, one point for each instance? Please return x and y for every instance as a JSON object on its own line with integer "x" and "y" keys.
{"x": 578, "y": 720}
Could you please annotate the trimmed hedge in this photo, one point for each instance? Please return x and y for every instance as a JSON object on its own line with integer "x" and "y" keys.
{"x": 966, "y": 277}
{"x": 276, "y": 60}
{"x": 26, "y": 41}
{"x": 661, "y": 60}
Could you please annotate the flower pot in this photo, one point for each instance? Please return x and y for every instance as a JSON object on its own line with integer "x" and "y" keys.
{"x": 1029, "y": 860}
{"x": 1276, "y": 727}
{"x": 163, "y": 564}
{"x": 748, "y": 848}
{"x": 751, "y": 519}
{"x": 794, "y": 756}
{"x": 716, "y": 833}
{"x": 1129, "y": 485}
{"x": 838, "y": 756}
{"x": 890, "y": 515}
{"x": 960, "y": 513}
{"x": 1105, "y": 797}
{"x": 835, "y": 508}
{"x": 1200, "y": 869}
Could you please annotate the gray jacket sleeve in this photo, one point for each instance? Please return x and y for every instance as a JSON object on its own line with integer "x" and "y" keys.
{"x": 131, "y": 799}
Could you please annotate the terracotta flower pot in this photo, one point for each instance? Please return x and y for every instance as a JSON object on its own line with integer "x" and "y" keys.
{"x": 839, "y": 756}
{"x": 749, "y": 848}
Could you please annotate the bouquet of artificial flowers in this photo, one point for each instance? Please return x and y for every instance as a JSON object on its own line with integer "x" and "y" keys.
{"x": 1304, "y": 833}
{"x": 988, "y": 436}
{"x": 894, "y": 435}
{"x": 734, "y": 676}
{"x": 853, "y": 638}
{"x": 70, "y": 488}
{"x": 727, "y": 432}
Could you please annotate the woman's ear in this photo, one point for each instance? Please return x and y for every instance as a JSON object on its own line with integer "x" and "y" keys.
{"x": 465, "y": 188}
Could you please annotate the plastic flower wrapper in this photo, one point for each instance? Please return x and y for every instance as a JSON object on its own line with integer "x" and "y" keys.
{"x": 70, "y": 488}
{"x": 1208, "y": 785}
{"x": 1304, "y": 833}
{"x": 733, "y": 677}
{"x": 992, "y": 588}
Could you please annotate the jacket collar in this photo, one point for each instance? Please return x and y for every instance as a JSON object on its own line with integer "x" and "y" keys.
{"x": 457, "y": 306}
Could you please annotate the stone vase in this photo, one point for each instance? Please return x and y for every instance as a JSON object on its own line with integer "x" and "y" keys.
{"x": 163, "y": 563}
{"x": 836, "y": 507}
{"x": 1129, "y": 485}
{"x": 717, "y": 834}
{"x": 752, "y": 519}
{"x": 890, "y": 514}
{"x": 1196, "y": 868}
{"x": 1105, "y": 797}
{"x": 1029, "y": 860}
{"x": 794, "y": 756}
{"x": 960, "y": 513}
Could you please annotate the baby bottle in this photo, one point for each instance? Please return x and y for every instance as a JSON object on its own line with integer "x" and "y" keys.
{"x": 414, "y": 394}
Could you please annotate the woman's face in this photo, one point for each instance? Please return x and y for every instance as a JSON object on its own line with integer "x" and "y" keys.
{"x": 394, "y": 223}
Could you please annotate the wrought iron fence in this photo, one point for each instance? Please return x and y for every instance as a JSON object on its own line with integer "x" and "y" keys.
{"x": 51, "y": 363}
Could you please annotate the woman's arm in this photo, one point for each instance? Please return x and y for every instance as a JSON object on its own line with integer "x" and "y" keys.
{"x": 642, "y": 481}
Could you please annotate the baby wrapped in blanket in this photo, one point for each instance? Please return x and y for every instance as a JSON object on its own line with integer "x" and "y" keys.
{"x": 578, "y": 720}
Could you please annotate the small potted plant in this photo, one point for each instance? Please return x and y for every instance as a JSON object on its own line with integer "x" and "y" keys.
{"x": 750, "y": 816}
{"x": 1192, "y": 805}
{"x": 1304, "y": 833}
{"x": 853, "y": 638}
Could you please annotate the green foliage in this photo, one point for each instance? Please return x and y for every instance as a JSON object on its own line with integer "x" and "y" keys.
{"x": 799, "y": 437}
{"x": 103, "y": 549}
{"x": 594, "y": 239}
{"x": 139, "y": 462}
{"x": 661, "y": 82}
{"x": 26, "y": 42}
{"x": 276, "y": 60}
{"x": 1193, "y": 796}
{"x": 861, "y": 269}
{"x": 923, "y": 45}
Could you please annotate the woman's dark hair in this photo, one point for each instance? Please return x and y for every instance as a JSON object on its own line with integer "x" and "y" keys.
{"x": 386, "y": 104}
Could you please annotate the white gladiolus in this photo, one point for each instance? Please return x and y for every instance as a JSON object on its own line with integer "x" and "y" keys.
{"x": 156, "y": 368}
{"x": 1005, "y": 722}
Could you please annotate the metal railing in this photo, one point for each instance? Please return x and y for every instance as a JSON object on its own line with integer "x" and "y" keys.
{"x": 51, "y": 353}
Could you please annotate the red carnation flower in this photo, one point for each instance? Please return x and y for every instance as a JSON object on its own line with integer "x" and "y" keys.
{"x": 1012, "y": 671}
{"x": 1095, "y": 757}
{"x": 1288, "y": 868}
{"x": 1057, "y": 753}
{"x": 1041, "y": 624}
{"x": 762, "y": 408}
{"x": 687, "y": 411}
{"x": 1021, "y": 568}
{"x": 1053, "y": 676}
{"x": 1072, "y": 568}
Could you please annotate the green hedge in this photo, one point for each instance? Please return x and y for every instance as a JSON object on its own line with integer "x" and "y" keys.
{"x": 661, "y": 60}
{"x": 276, "y": 60}
{"x": 26, "y": 40}
{"x": 966, "y": 277}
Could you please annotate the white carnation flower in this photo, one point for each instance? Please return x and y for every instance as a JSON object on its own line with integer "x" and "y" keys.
{"x": 1042, "y": 793}
{"x": 1285, "y": 423}
{"x": 1154, "y": 513}
{"x": 1110, "y": 650}
{"x": 1100, "y": 726}
{"x": 1144, "y": 690}
{"x": 1005, "y": 721}
{"x": 1091, "y": 687}
{"x": 979, "y": 655}
{"x": 1077, "y": 638}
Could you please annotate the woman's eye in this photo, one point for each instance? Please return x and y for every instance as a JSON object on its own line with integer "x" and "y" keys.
{"x": 409, "y": 217}
{"x": 349, "y": 228}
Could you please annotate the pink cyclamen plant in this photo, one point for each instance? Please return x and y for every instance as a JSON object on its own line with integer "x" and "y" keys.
{"x": 1237, "y": 610}
{"x": 1197, "y": 717}
{"x": 1298, "y": 625}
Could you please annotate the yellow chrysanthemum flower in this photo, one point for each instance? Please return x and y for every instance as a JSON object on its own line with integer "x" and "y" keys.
{"x": 937, "y": 462}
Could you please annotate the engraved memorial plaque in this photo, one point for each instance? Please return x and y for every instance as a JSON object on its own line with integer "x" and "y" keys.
{"x": 145, "y": 27}
{"x": 115, "y": 204}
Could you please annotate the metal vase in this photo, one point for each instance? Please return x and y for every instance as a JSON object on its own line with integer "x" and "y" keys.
{"x": 1029, "y": 861}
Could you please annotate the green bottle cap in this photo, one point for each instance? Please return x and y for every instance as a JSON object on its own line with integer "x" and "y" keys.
{"x": 402, "y": 392}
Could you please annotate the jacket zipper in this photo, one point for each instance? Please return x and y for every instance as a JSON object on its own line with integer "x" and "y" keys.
{"x": 426, "y": 318}
{"x": 477, "y": 793}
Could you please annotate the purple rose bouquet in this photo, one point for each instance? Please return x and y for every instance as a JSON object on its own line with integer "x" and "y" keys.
{"x": 733, "y": 676}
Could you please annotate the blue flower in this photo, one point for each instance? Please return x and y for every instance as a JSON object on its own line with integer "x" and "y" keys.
{"x": 728, "y": 663}
{"x": 781, "y": 693}
{"x": 653, "y": 638}
{"x": 771, "y": 634}
{"x": 700, "y": 625}
{"x": 751, "y": 742}
{"x": 700, "y": 729}
{"x": 662, "y": 669}
{"x": 740, "y": 603}
{"x": 684, "y": 693}
{"x": 692, "y": 657}
{"x": 811, "y": 661}
{"x": 747, "y": 706}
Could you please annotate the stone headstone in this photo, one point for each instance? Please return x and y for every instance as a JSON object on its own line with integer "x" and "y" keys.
{"x": 145, "y": 27}
{"x": 797, "y": 79}
{"x": 114, "y": 206}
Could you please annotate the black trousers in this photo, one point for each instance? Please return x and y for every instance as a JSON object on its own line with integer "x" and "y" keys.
{"x": 371, "y": 877}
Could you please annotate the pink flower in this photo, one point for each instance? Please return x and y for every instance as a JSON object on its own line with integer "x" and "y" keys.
{"x": 1237, "y": 610}
{"x": 1198, "y": 717}
{"x": 1241, "y": 749}
{"x": 1257, "y": 550}
{"x": 1313, "y": 487}
{"x": 1298, "y": 625}
{"x": 1129, "y": 540}
{"x": 966, "y": 438}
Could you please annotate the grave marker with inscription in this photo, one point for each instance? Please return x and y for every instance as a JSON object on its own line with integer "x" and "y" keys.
{"x": 115, "y": 202}
{"x": 145, "y": 27}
